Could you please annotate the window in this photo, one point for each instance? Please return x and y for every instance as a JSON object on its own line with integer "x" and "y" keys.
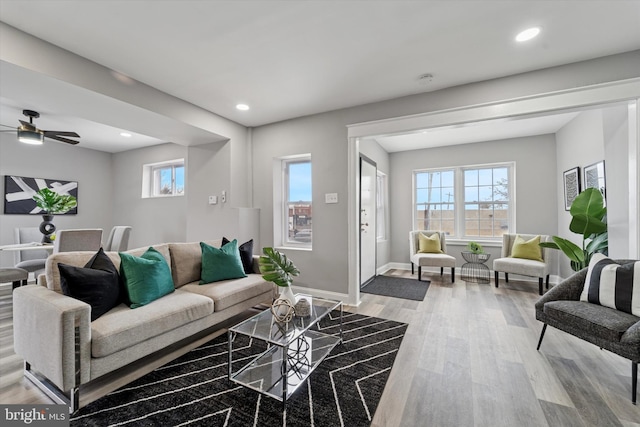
{"x": 298, "y": 208}
{"x": 163, "y": 179}
{"x": 381, "y": 206}
{"x": 471, "y": 202}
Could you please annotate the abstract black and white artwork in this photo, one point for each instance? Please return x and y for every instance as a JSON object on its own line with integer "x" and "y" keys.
{"x": 571, "y": 180}
{"x": 19, "y": 191}
{"x": 594, "y": 177}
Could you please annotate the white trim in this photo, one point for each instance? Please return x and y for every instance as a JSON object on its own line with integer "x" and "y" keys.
{"x": 321, "y": 293}
{"x": 610, "y": 92}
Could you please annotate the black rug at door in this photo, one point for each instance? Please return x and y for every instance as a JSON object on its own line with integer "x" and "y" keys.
{"x": 397, "y": 287}
{"x": 194, "y": 390}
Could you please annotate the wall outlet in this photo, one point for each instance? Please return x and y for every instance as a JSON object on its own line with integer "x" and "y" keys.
{"x": 223, "y": 199}
{"x": 331, "y": 198}
{"x": 213, "y": 200}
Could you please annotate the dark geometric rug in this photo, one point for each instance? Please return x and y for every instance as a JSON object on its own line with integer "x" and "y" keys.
{"x": 397, "y": 287}
{"x": 194, "y": 390}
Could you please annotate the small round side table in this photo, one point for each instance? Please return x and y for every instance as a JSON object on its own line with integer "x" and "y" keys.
{"x": 475, "y": 270}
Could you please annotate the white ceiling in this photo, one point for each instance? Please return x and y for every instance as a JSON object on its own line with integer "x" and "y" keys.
{"x": 292, "y": 58}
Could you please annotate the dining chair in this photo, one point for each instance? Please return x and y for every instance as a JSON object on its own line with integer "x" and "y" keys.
{"x": 118, "y": 240}
{"x": 88, "y": 239}
{"x": 33, "y": 261}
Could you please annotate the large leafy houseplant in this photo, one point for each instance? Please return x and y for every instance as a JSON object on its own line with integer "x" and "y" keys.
{"x": 277, "y": 268}
{"x": 53, "y": 203}
{"x": 589, "y": 219}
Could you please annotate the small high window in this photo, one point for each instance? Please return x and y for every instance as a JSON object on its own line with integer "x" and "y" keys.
{"x": 164, "y": 179}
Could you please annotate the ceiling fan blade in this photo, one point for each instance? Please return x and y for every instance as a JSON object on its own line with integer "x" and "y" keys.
{"x": 61, "y": 139}
{"x": 27, "y": 125}
{"x": 51, "y": 133}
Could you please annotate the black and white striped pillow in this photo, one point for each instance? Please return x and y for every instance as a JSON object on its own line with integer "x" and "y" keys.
{"x": 613, "y": 285}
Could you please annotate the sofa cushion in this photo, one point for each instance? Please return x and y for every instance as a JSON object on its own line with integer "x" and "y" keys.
{"x": 122, "y": 327}
{"x": 146, "y": 278}
{"x": 613, "y": 285}
{"x": 592, "y": 319}
{"x": 529, "y": 249}
{"x": 186, "y": 261}
{"x": 246, "y": 254}
{"x": 527, "y": 267}
{"x": 221, "y": 264}
{"x": 97, "y": 283}
{"x": 227, "y": 293}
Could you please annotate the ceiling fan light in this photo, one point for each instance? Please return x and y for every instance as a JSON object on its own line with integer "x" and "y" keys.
{"x": 30, "y": 137}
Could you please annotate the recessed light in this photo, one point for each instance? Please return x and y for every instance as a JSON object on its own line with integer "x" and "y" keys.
{"x": 242, "y": 107}
{"x": 125, "y": 134}
{"x": 528, "y": 34}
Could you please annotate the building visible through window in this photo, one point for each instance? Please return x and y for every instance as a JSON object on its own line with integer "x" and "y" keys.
{"x": 298, "y": 202}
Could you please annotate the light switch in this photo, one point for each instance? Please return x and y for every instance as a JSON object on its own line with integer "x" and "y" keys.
{"x": 331, "y": 198}
{"x": 213, "y": 200}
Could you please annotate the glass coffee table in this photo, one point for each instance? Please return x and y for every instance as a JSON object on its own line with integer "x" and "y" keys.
{"x": 294, "y": 350}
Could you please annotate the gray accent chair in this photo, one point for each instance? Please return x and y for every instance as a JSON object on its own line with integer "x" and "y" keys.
{"x": 610, "y": 329}
{"x": 118, "y": 240}
{"x": 524, "y": 267}
{"x": 427, "y": 259}
{"x": 32, "y": 261}
{"x": 86, "y": 239}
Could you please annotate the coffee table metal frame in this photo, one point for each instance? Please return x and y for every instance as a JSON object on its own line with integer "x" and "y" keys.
{"x": 293, "y": 351}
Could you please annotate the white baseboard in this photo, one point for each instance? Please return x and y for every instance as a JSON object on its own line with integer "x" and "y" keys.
{"x": 338, "y": 296}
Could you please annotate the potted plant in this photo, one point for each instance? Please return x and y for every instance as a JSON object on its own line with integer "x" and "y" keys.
{"x": 475, "y": 248}
{"x": 277, "y": 268}
{"x": 52, "y": 203}
{"x": 589, "y": 219}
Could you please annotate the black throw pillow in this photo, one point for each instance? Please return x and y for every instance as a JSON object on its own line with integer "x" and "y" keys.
{"x": 97, "y": 283}
{"x": 246, "y": 254}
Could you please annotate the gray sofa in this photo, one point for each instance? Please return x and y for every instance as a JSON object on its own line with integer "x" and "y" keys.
{"x": 610, "y": 329}
{"x": 63, "y": 349}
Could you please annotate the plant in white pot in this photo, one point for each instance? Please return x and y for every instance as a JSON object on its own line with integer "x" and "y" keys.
{"x": 277, "y": 268}
{"x": 52, "y": 203}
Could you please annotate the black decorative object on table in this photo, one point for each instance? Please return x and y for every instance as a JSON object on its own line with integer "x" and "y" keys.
{"x": 47, "y": 228}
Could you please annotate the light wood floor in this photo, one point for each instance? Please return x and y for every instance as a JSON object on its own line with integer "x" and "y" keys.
{"x": 468, "y": 359}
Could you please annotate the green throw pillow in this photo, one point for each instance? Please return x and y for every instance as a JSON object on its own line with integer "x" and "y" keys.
{"x": 221, "y": 264}
{"x": 429, "y": 244}
{"x": 146, "y": 278}
{"x": 529, "y": 249}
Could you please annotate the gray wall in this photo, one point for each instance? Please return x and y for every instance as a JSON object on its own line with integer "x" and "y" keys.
{"x": 91, "y": 169}
{"x": 535, "y": 188}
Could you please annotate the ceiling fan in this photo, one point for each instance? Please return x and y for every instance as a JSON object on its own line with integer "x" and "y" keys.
{"x": 29, "y": 134}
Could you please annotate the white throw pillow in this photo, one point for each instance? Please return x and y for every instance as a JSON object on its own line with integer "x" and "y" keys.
{"x": 613, "y": 285}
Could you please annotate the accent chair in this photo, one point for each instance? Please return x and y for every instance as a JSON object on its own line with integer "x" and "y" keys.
{"x": 431, "y": 253}
{"x": 522, "y": 261}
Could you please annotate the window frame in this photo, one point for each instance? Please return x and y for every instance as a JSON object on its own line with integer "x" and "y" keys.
{"x": 285, "y": 239}
{"x": 460, "y": 233}
{"x": 382, "y": 204}
{"x": 151, "y": 181}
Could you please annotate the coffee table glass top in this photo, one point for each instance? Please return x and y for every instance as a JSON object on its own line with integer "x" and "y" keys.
{"x": 262, "y": 326}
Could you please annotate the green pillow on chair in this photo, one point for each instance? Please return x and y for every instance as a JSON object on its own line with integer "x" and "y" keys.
{"x": 529, "y": 249}
{"x": 429, "y": 244}
{"x": 221, "y": 264}
{"x": 146, "y": 278}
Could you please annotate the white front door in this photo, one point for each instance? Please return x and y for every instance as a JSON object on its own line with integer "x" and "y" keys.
{"x": 368, "y": 175}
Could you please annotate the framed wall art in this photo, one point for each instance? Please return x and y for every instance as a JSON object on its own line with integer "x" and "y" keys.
{"x": 594, "y": 178}
{"x": 571, "y": 182}
{"x": 19, "y": 190}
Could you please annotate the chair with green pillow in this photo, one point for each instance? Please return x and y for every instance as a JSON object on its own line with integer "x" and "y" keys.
{"x": 522, "y": 254}
{"x": 428, "y": 248}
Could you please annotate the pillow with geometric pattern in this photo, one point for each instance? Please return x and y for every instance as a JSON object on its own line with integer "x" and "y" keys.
{"x": 613, "y": 285}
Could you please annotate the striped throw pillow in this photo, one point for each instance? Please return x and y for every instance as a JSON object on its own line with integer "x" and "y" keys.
{"x": 613, "y": 285}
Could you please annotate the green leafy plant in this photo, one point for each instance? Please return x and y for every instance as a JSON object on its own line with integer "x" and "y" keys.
{"x": 589, "y": 219}
{"x": 53, "y": 203}
{"x": 475, "y": 248}
{"x": 277, "y": 268}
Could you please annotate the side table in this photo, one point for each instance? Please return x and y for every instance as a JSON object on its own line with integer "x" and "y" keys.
{"x": 475, "y": 270}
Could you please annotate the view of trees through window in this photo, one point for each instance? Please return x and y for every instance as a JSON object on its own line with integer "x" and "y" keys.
{"x": 168, "y": 180}
{"x": 464, "y": 202}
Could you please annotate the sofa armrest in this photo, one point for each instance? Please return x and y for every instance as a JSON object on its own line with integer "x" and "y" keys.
{"x": 569, "y": 289}
{"x": 45, "y": 326}
{"x": 632, "y": 335}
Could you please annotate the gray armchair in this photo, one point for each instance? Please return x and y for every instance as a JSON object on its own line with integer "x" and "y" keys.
{"x": 524, "y": 267}
{"x": 613, "y": 330}
{"x": 441, "y": 260}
